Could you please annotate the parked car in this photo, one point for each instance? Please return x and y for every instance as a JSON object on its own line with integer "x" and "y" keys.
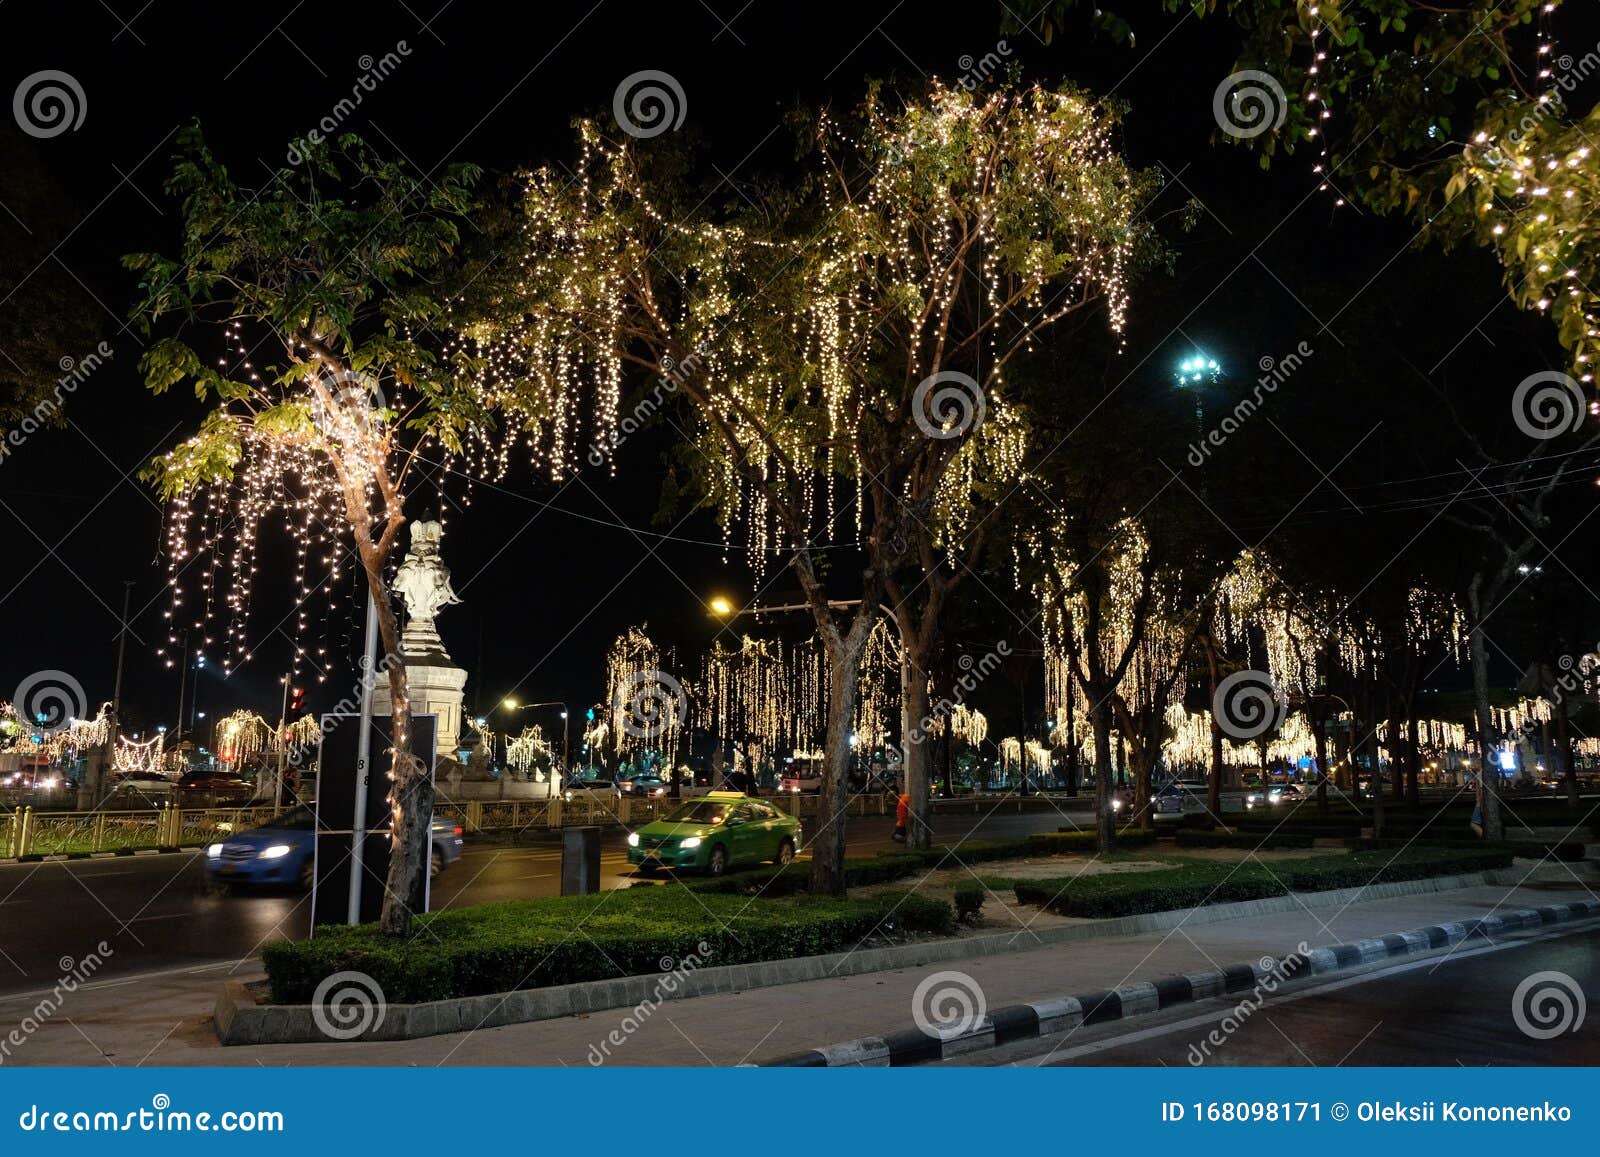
{"x": 643, "y": 785}
{"x": 1179, "y": 796}
{"x": 283, "y": 851}
{"x": 714, "y": 833}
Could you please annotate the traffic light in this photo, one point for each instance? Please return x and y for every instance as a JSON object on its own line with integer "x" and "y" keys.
{"x": 297, "y": 698}
{"x": 591, "y": 715}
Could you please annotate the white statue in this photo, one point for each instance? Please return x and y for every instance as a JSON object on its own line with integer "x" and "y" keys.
{"x": 423, "y": 582}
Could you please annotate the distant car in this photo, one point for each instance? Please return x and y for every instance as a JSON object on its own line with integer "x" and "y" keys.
{"x": 1278, "y": 793}
{"x": 801, "y": 775}
{"x": 283, "y": 851}
{"x": 590, "y": 789}
{"x": 714, "y": 833}
{"x": 217, "y": 784}
{"x": 1180, "y": 796}
{"x": 643, "y": 785}
{"x": 137, "y": 787}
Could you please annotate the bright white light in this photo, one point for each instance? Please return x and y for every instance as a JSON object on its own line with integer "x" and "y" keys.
{"x": 275, "y": 852}
{"x": 691, "y": 843}
{"x": 633, "y": 839}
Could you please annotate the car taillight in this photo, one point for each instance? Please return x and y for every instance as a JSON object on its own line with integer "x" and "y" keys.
{"x": 456, "y": 831}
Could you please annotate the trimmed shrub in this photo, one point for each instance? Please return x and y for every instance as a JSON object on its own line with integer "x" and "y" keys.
{"x": 494, "y": 948}
{"x": 969, "y": 902}
{"x": 1202, "y": 884}
{"x": 1569, "y": 851}
{"x": 1252, "y": 841}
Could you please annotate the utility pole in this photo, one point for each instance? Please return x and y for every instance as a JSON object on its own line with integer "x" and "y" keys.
{"x": 283, "y": 748}
{"x": 358, "y": 832}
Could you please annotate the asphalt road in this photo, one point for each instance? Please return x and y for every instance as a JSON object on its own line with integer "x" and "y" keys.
{"x": 1443, "y": 1010}
{"x": 158, "y": 912}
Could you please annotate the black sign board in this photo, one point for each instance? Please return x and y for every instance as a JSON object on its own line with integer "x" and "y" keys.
{"x": 337, "y": 772}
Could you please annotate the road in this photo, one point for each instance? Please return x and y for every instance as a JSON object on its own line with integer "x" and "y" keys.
{"x": 1450, "y": 1010}
{"x": 158, "y": 912}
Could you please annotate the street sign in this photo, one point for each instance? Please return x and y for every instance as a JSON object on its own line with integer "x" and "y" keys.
{"x": 338, "y": 770}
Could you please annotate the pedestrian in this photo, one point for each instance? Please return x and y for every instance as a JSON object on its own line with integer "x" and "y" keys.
{"x": 902, "y": 817}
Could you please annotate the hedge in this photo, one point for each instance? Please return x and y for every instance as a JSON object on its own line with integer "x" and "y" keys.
{"x": 1200, "y": 884}
{"x": 969, "y": 902}
{"x": 1252, "y": 841}
{"x": 530, "y": 943}
{"x": 862, "y": 873}
{"x": 1570, "y": 851}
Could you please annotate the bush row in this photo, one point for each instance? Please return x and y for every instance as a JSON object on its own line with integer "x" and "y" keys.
{"x": 1201, "y": 884}
{"x": 861, "y": 873}
{"x": 1570, "y": 851}
{"x": 531, "y": 943}
{"x": 1253, "y": 841}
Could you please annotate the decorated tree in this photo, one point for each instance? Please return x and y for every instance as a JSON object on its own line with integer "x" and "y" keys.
{"x": 841, "y": 342}
{"x": 293, "y": 310}
{"x": 1458, "y": 116}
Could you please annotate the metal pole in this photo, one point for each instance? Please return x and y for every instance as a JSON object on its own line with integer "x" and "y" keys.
{"x": 183, "y": 676}
{"x": 358, "y": 828}
{"x": 283, "y": 748}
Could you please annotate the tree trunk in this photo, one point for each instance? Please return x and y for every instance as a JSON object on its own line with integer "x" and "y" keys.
{"x": 828, "y": 842}
{"x": 1214, "y": 787}
{"x": 410, "y": 786}
{"x": 1569, "y": 771}
{"x": 1319, "y": 735}
{"x": 914, "y": 717}
{"x": 1488, "y": 770}
{"x": 1105, "y": 815}
{"x": 1413, "y": 759}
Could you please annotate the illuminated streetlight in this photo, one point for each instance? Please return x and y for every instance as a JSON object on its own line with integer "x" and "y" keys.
{"x": 720, "y": 606}
{"x": 509, "y": 704}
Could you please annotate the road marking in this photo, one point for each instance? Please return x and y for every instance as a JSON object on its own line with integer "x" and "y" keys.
{"x": 1220, "y": 1004}
{"x": 168, "y": 916}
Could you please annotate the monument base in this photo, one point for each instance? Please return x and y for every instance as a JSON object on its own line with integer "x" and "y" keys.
{"x": 435, "y": 690}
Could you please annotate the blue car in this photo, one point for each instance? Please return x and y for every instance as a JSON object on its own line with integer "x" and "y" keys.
{"x": 283, "y": 850}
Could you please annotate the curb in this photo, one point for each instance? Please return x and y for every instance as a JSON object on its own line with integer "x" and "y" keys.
{"x": 63, "y": 857}
{"x": 241, "y": 1021}
{"x": 1040, "y": 1018}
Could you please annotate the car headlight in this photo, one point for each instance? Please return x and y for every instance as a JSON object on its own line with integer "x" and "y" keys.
{"x": 1116, "y": 805}
{"x": 633, "y": 839}
{"x": 214, "y": 851}
{"x": 275, "y": 852}
{"x": 569, "y": 795}
{"x": 691, "y": 842}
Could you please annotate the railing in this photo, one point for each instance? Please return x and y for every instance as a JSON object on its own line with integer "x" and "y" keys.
{"x": 27, "y": 832}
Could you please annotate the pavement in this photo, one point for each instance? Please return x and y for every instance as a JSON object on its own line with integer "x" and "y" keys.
{"x": 163, "y": 1018}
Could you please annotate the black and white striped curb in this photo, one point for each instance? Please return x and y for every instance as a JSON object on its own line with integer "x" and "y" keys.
{"x": 1041, "y": 1018}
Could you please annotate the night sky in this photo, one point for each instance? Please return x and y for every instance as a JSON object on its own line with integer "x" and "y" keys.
{"x": 550, "y": 574}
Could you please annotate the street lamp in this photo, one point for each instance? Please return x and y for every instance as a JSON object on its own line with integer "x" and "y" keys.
{"x": 510, "y": 704}
{"x": 720, "y": 606}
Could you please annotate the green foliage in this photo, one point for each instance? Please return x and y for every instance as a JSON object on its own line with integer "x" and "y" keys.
{"x": 969, "y": 902}
{"x": 1436, "y": 112}
{"x": 1196, "y": 885}
{"x": 534, "y": 943}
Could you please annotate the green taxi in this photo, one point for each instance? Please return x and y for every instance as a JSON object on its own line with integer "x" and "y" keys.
{"x": 715, "y": 832}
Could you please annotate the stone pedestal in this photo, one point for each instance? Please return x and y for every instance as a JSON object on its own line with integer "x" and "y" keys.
{"x": 433, "y": 689}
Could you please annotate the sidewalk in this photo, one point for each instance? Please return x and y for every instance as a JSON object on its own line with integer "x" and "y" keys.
{"x": 165, "y": 1019}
